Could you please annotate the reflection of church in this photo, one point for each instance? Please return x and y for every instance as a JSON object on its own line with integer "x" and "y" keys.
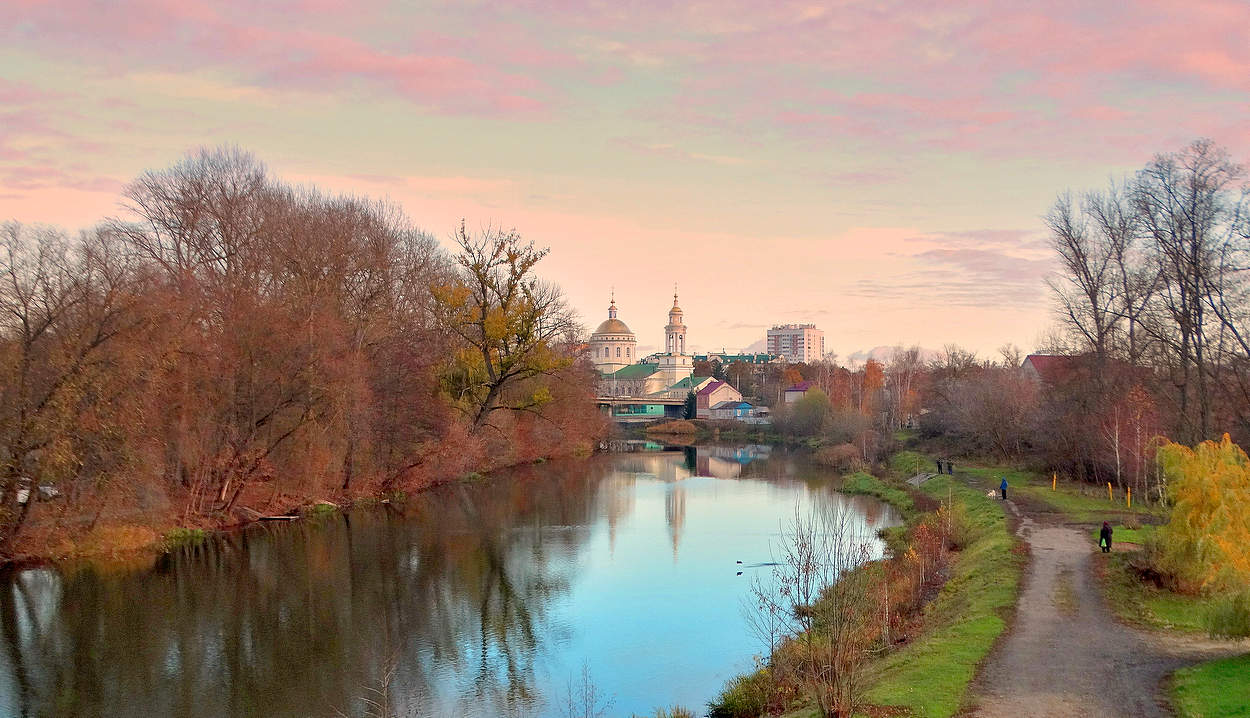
{"x": 614, "y": 352}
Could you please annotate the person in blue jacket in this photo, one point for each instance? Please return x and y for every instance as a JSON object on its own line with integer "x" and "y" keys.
{"x": 1003, "y": 488}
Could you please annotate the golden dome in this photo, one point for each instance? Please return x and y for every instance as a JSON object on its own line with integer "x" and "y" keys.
{"x": 613, "y": 326}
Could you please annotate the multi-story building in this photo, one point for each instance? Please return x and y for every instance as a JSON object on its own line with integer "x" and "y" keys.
{"x": 613, "y": 346}
{"x": 797, "y": 342}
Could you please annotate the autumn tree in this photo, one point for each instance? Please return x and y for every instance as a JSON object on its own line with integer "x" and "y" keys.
{"x": 1208, "y": 529}
{"x": 903, "y": 375}
{"x": 63, "y": 306}
{"x": 511, "y": 325}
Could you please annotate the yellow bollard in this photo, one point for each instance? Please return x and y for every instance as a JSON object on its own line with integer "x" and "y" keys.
{"x": 1109, "y": 496}
{"x": 1054, "y": 478}
{"x": 1129, "y": 498}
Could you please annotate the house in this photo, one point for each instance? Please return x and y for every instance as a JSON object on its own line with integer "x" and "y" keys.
{"x": 710, "y": 395}
{"x": 1050, "y": 369}
{"x": 796, "y": 392}
{"x": 732, "y": 410}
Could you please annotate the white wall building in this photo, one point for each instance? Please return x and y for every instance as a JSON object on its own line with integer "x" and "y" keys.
{"x": 797, "y": 342}
{"x": 613, "y": 346}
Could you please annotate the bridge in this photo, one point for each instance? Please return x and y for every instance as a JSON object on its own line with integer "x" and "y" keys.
{"x": 631, "y": 409}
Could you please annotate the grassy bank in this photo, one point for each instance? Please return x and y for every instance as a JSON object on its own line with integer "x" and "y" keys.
{"x": 953, "y": 633}
{"x": 1215, "y": 688}
{"x": 1078, "y": 502}
{"x": 930, "y": 676}
{"x": 862, "y": 484}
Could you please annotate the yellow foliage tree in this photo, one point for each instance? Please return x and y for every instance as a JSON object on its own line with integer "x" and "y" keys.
{"x": 1207, "y": 538}
{"x": 513, "y": 327}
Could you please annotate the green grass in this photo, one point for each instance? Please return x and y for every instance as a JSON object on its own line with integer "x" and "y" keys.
{"x": 1145, "y": 604}
{"x": 1215, "y": 688}
{"x": 178, "y": 537}
{"x": 1084, "y": 503}
{"x": 909, "y": 463}
{"x": 1120, "y": 535}
{"x": 868, "y": 485}
{"x": 930, "y": 676}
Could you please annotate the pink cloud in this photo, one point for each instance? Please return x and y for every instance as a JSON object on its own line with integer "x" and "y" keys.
{"x": 259, "y": 45}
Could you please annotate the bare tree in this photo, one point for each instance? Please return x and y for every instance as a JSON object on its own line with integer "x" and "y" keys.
{"x": 1085, "y": 288}
{"x": 817, "y": 600}
{"x": 1188, "y": 206}
{"x": 62, "y": 305}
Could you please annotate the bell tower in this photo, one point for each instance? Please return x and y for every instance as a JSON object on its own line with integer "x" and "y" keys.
{"x": 675, "y": 331}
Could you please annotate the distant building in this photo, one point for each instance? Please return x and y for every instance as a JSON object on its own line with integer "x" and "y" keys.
{"x": 1051, "y": 369}
{"x": 613, "y": 349}
{"x": 712, "y": 394}
{"x": 726, "y": 359}
{"x": 612, "y": 346}
{"x": 797, "y": 342}
{"x": 732, "y": 411}
{"x": 796, "y": 392}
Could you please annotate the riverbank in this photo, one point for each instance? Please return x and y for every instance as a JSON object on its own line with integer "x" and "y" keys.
{"x": 141, "y": 535}
{"x": 930, "y": 675}
{"x": 947, "y": 590}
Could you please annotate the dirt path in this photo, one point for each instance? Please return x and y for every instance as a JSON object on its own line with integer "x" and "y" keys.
{"x": 1066, "y": 654}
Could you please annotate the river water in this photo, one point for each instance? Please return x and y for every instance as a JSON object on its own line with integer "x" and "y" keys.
{"x": 479, "y": 600}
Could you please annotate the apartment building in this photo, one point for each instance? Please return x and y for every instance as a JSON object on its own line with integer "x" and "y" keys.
{"x": 797, "y": 342}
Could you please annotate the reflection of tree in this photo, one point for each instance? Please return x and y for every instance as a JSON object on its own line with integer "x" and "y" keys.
{"x": 296, "y": 619}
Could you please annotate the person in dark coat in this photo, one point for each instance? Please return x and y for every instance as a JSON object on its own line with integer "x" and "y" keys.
{"x": 1104, "y": 537}
{"x": 1003, "y": 488}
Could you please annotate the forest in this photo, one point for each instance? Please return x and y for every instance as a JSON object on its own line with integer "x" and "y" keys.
{"x": 232, "y": 345}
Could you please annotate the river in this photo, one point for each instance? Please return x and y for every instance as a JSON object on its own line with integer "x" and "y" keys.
{"x": 481, "y": 599}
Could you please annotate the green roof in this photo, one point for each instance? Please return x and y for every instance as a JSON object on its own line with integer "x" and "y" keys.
{"x": 635, "y": 371}
{"x": 689, "y": 382}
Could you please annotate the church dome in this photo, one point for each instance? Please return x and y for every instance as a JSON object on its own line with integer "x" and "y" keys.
{"x": 613, "y": 326}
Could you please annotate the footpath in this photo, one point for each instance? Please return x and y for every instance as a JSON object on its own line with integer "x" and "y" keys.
{"x": 1066, "y": 654}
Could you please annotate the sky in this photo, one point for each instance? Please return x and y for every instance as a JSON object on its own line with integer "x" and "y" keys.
{"x": 877, "y": 168}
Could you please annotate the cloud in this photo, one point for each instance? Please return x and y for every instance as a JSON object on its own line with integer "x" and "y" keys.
{"x": 972, "y": 268}
{"x": 671, "y": 151}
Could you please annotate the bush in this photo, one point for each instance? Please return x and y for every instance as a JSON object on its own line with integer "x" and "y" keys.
{"x": 1209, "y": 527}
{"x": 744, "y": 696}
{"x": 959, "y": 527}
{"x": 1230, "y": 618}
{"x": 843, "y": 457}
{"x": 674, "y": 712}
{"x": 179, "y": 537}
{"x": 673, "y": 427}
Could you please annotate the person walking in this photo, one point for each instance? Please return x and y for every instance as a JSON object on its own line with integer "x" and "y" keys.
{"x": 1104, "y": 537}
{"x": 1003, "y": 488}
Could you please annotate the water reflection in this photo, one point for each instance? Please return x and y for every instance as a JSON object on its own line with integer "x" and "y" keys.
{"x": 484, "y": 599}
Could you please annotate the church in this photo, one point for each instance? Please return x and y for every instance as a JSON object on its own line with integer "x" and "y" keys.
{"x": 614, "y": 351}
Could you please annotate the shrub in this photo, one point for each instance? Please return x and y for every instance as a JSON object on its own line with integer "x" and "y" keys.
{"x": 1209, "y": 526}
{"x": 179, "y": 537}
{"x": 958, "y": 526}
{"x": 843, "y": 457}
{"x": 745, "y": 696}
{"x": 674, "y": 712}
{"x": 322, "y": 508}
{"x": 1230, "y": 618}
{"x": 673, "y": 427}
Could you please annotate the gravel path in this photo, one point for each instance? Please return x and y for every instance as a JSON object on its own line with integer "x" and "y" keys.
{"x": 1066, "y": 654}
